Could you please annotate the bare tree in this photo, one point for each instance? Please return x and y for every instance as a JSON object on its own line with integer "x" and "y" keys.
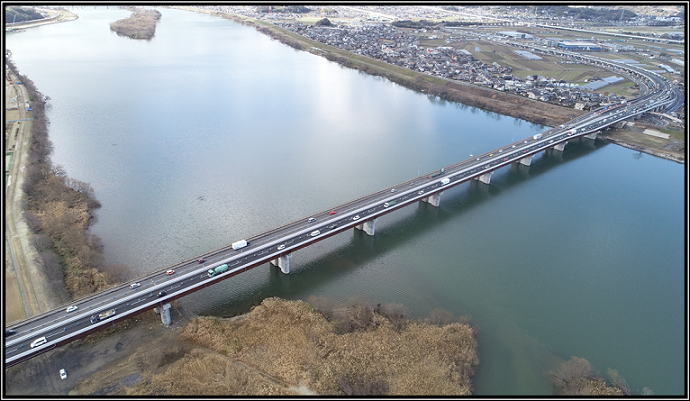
{"x": 118, "y": 273}
{"x": 572, "y": 370}
{"x": 618, "y": 381}
{"x": 398, "y": 314}
{"x": 33, "y": 221}
{"x": 323, "y": 305}
{"x": 647, "y": 391}
{"x": 41, "y": 242}
{"x": 440, "y": 317}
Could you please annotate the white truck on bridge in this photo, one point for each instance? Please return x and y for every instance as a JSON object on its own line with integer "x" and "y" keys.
{"x": 239, "y": 244}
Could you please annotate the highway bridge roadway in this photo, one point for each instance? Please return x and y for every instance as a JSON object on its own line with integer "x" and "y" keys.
{"x": 60, "y": 327}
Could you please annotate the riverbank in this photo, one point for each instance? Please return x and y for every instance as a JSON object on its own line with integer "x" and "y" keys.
{"x": 54, "y": 257}
{"x": 636, "y": 138}
{"x": 472, "y": 95}
{"x": 29, "y": 294}
{"x": 63, "y": 16}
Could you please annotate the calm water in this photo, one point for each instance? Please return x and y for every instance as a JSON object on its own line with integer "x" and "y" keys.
{"x": 212, "y": 132}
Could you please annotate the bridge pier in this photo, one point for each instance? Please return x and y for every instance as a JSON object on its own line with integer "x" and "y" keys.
{"x": 164, "y": 311}
{"x": 368, "y": 227}
{"x": 434, "y": 199}
{"x": 485, "y": 178}
{"x": 560, "y": 146}
{"x": 526, "y": 161}
{"x": 592, "y": 136}
{"x": 283, "y": 262}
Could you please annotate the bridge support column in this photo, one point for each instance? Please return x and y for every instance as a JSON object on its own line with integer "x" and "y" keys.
{"x": 526, "y": 161}
{"x": 368, "y": 227}
{"x": 164, "y": 311}
{"x": 592, "y": 136}
{"x": 559, "y": 147}
{"x": 283, "y": 262}
{"x": 485, "y": 178}
{"x": 434, "y": 199}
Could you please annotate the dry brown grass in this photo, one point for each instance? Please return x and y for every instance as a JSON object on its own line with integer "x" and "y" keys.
{"x": 282, "y": 345}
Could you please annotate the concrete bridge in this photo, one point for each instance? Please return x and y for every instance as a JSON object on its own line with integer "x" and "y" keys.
{"x": 55, "y": 328}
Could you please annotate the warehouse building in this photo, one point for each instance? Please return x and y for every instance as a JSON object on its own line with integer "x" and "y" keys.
{"x": 584, "y": 46}
{"x": 516, "y": 35}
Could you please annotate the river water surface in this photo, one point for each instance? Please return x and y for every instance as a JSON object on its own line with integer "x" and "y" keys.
{"x": 212, "y": 132}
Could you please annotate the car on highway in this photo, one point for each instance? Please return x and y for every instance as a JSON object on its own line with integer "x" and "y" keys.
{"x": 356, "y": 217}
{"x": 281, "y": 247}
{"x": 134, "y": 285}
{"x": 505, "y": 160}
{"x": 393, "y": 190}
{"x": 39, "y": 341}
{"x": 201, "y": 260}
{"x": 169, "y": 272}
{"x": 421, "y": 192}
{"x": 10, "y": 332}
{"x": 332, "y": 212}
{"x": 71, "y": 308}
{"x": 332, "y": 226}
{"x": 63, "y": 374}
{"x": 315, "y": 233}
{"x": 162, "y": 294}
{"x": 311, "y": 220}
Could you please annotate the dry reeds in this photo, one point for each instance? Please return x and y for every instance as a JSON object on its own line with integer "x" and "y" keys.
{"x": 291, "y": 343}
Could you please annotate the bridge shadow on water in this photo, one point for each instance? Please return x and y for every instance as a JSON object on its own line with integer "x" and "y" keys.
{"x": 344, "y": 258}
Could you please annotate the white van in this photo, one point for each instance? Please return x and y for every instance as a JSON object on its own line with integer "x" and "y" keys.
{"x": 39, "y": 341}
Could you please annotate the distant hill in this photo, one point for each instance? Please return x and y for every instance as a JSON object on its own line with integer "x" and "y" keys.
{"x": 22, "y": 14}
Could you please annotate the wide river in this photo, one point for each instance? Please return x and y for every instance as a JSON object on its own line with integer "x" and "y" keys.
{"x": 212, "y": 132}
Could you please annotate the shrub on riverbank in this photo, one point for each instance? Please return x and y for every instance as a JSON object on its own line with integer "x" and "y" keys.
{"x": 59, "y": 211}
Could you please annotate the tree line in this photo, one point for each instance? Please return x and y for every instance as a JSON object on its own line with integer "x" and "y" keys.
{"x": 59, "y": 211}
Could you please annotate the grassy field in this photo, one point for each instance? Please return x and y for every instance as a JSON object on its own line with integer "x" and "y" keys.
{"x": 676, "y": 133}
{"x": 548, "y": 66}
